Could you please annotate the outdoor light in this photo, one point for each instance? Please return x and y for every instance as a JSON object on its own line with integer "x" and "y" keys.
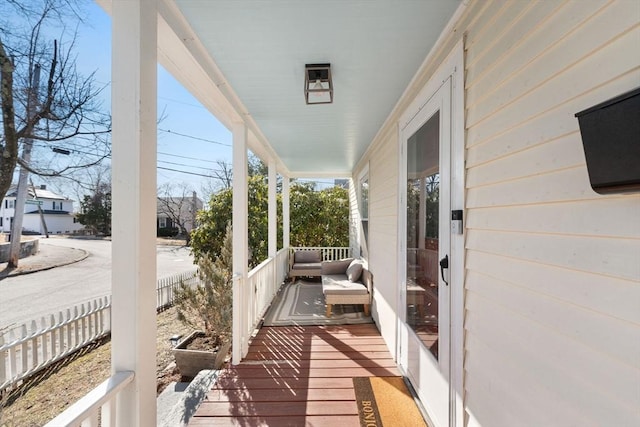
{"x": 174, "y": 340}
{"x": 318, "y": 87}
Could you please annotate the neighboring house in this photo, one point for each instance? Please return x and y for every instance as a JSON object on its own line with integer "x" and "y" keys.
{"x": 41, "y": 205}
{"x": 532, "y": 278}
{"x": 178, "y": 213}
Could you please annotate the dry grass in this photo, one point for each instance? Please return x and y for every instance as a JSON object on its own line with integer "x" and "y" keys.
{"x": 54, "y": 390}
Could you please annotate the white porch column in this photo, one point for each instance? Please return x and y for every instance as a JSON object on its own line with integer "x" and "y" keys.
{"x": 273, "y": 210}
{"x": 286, "y": 224}
{"x": 240, "y": 240}
{"x": 133, "y": 109}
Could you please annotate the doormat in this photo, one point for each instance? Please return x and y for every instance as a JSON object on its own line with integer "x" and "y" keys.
{"x": 386, "y": 401}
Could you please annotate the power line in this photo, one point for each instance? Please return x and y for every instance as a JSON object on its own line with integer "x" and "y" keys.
{"x": 182, "y": 102}
{"x": 187, "y": 157}
{"x": 158, "y": 167}
{"x": 188, "y": 166}
{"x": 194, "y": 137}
{"x": 185, "y": 172}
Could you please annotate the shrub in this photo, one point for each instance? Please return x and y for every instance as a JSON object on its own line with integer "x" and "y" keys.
{"x": 209, "y": 306}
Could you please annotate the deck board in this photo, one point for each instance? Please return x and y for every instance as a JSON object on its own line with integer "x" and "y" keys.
{"x": 290, "y": 421}
{"x": 297, "y": 376}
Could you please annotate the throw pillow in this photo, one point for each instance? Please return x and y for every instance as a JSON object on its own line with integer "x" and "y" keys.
{"x": 354, "y": 271}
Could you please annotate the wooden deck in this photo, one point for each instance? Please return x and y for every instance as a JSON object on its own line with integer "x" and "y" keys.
{"x": 297, "y": 376}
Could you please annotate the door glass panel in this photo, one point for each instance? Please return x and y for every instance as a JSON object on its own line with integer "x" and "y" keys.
{"x": 423, "y": 185}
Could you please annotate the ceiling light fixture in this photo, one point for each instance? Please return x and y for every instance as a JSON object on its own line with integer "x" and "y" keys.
{"x": 318, "y": 87}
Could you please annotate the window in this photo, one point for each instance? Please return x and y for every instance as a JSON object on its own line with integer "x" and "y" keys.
{"x": 57, "y": 206}
{"x": 162, "y": 222}
{"x": 9, "y": 204}
{"x": 363, "y": 205}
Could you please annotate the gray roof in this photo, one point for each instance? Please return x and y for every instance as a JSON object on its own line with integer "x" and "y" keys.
{"x": 39, "y": 193}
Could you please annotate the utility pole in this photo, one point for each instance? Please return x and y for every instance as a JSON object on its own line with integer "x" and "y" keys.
{"x": 16, "y": 226}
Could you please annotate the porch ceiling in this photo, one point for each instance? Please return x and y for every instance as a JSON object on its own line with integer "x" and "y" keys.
{"x": 374, "y": 47}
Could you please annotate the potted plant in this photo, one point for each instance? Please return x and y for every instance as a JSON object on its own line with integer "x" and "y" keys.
{"x": 208, "y": 309}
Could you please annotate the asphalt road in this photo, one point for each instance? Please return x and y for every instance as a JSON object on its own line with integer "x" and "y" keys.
{"x": 30, "y": 296}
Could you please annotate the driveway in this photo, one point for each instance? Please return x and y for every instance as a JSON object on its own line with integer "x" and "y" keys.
{"x": 30, "y": 296}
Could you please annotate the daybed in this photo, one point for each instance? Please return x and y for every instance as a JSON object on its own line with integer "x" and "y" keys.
{"x": 346, "y": 281}
{"x": 305, "y": 262}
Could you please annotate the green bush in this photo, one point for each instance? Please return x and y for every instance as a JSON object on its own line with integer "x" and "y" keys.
{"x": 168, "y": 232}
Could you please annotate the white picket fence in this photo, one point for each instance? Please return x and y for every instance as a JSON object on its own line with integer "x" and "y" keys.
{"x": 166, "y": 287}
{"x": 31, "y": 349}
{"x": 35, "y": 345}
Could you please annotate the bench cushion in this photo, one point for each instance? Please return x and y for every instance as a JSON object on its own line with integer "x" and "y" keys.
{"x": 338, "y": 284}
{"x": 336, "y": 267}
{"x": 306, "y": 266}
{"x": 307, "y": 256}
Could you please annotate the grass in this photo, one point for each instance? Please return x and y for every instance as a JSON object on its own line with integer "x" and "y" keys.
{"x": 50, "y": 393}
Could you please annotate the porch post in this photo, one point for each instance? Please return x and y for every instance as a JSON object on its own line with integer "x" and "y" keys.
{"x": 285, "y": 212}
{"x": 273, "y": 210}
{"x": 240, "y": 240}
{"x": 133, "y": 109}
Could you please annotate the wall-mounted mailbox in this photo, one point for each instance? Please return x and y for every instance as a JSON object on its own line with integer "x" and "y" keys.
{"x": 611, "y": 139}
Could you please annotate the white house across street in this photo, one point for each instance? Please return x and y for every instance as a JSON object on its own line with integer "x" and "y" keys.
{"x": 42, "y": 207}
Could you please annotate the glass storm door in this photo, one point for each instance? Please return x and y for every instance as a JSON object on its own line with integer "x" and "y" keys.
{"x": 424, "y": 312}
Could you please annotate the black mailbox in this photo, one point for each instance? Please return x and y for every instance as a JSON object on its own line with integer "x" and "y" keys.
{"x": 611, "y": 139}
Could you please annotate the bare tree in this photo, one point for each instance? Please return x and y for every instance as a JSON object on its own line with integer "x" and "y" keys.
{"x": 221, "y": 178}
{"x": 224, "y": 174}
{"x": 60, "y": 117}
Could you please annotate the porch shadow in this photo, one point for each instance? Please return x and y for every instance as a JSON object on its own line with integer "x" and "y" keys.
{"x": 294, "y": 375}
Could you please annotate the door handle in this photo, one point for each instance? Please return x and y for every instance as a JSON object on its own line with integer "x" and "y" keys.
{"x": 444, "y": 263}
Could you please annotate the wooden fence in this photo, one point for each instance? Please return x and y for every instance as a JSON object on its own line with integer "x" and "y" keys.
{"x": 36, "y": 345}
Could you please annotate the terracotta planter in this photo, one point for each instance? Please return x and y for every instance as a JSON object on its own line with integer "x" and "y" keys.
{"x": 190, "y": 362}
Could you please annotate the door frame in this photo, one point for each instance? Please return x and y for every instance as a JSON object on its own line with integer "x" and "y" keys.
{"x": 452, "y": 67}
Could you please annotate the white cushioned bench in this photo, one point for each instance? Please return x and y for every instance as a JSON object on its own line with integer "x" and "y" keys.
{"x": 346, "y": 281}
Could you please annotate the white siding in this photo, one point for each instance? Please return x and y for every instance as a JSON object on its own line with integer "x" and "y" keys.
{"x": 383, "y": 239}
{"x": 56, "y": 223}
{"x": 552, "y": 328}
{"x": 552, "y": 288}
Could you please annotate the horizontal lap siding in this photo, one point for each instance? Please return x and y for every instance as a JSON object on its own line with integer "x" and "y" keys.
{"x": 383, "y": 230}
{"x": 552, "y": 326}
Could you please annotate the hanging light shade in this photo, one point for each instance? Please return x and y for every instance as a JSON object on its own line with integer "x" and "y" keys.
{"x": 318, "y": 87}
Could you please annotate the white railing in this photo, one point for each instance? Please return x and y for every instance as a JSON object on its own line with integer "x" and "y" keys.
{"x": 33, "y": 349}
{"x": 262, "y": 287}
{"x": 256, "y": 295}
{"x": 98, "y": 408}
{"x": 328, "y": 253}
{"x": 33, "y": 346}
{"x": 282, "y": 265}
{"x": 166, "y": 287}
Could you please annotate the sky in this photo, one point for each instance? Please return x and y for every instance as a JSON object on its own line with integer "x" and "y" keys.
{"x": 190, "y": 139}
